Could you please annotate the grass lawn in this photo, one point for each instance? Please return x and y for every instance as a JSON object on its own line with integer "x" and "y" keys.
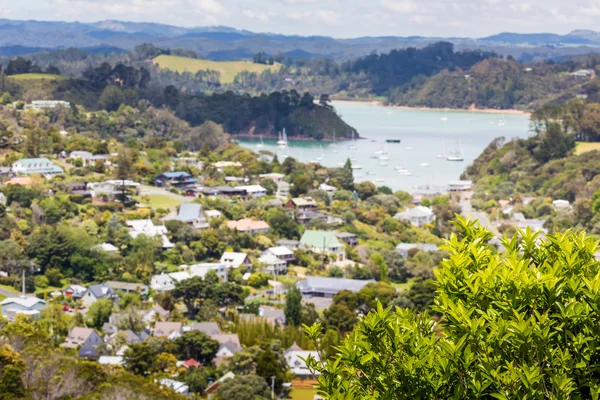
{"x": 30, "y": 77}
{"x": 10, "y": 289}
{"x": 404, "y": 286}
{"x": 158, "y": 201}
{"x": 227, "y": 69}
{"x": 2, "y": 297}
{"x": 584, "y": 147}
{"x": 303, "y": 394}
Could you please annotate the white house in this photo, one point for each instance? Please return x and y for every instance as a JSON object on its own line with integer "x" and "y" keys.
{"x": 13, "y": 306}
{"x": 98, "y": 292}
{"x": 165, "y": 282}
{"x": 276, "y": 177}
{"x": 295, "y": 356}
{"x": 561, "y": 205}
{"x": 176, "y": 386}
{"x": 281, "y": 252}
{"x": 254, "y": 191}
{"x": 42, "y": 166}
{"x": 171, "y": 330}
{"x": 417, "y": 216}
{"x": 147, "y": 227}
{"x": 202, "y": 269}
{"x": 273, "y": 264}
{"x": 460, "y": 186}
{"x": 210, "y": 214}
{"x": 330, "y": 190}
{"x": 191, "y": 214}
{"x": 283, "y": 190}
{"x": 234, "y": 260}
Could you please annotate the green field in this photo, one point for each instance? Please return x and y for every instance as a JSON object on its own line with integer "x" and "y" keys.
{"x": 32, "y": 77}
{"x": 584, "y": 147}
{"x": 228, "y": 69}
{"x": 158, "y": 201}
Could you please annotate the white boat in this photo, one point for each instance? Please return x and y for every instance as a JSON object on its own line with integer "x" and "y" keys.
{"x": 456, "y": 155}
{"x": 356, "y": 167}
{"x": 261, "y": 144}
{"x": 445, "y": 117}
{"x": 379, "y": 152}
{"x": 383, "y": 164}
{"x": 500, "y": 123}
{"x": 282, "y": 142}
{"x": 443, "y": 153}
{"x": 492, "y": 122}
{"x": 408, "y": 148}
{"x": 384, "y": 158}
{"x": 321, "y": 157}
{"x": 353, "y": 145}
{"x": 406, "y": 173}
{"x": 424, "y": 164}
{"x": 379, "y": 180}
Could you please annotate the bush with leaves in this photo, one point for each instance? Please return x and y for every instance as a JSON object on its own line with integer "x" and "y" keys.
{"x": 519, "y": 326}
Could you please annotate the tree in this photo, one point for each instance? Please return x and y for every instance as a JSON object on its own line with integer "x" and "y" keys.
{"x": 196, "y": 345}
{"x": 111, "y": 98}
{"x": 309, "y": 314}
{"x": 12, "y": 368}
{"x": 140, "y": 359}
{"x": 340, "y": 317}
{"x": 270, "y": 185}
{"x": 248, "y": 387}
{"x": 508, "y": 323}
{"x": 378, "y": 260}
{"x": 99, "y": 313}
{"x": 293, "y": 304}
{"x": 366, "y": 190}
{"x": 194, "y": 291}
{"x": 282, "y": 224}
{"x": 267, "y": 366}
{"x": 300, "y": 185}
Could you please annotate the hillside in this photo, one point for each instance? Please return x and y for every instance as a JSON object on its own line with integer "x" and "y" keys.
{"x": 41, "y": 77}
{"x": 227, "y": 69}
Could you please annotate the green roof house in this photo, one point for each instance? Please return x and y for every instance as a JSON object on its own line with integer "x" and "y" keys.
{"x": 323, "y": 242}
{"x": 42, "y": 166}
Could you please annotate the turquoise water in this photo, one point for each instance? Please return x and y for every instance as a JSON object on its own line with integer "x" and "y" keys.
{"x": 423, "y": 136}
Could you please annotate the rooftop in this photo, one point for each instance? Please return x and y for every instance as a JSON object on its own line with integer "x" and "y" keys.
{"x": 319, "y": 238}
{"x": 247, "y": 224}
{"x": 331, "y": 285}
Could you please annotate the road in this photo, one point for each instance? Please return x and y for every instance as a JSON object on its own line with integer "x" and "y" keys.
{"x": 7, "y": 293}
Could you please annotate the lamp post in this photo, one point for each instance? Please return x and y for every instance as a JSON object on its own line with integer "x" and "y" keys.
{"x": 273, "y": 387}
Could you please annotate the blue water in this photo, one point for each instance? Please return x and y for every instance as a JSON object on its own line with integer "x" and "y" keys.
{"x": 423, "y": 134}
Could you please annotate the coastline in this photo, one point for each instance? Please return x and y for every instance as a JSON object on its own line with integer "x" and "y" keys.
{"x": 469, "y": 110}
{"x": 292, "y": 138}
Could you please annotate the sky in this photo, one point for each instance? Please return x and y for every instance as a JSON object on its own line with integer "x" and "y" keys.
{"x": 337, "y": 18}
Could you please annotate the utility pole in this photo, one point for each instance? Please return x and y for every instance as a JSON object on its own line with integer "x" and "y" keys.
{"x": 23, "y": 282}
{"x": 273, "y": 388}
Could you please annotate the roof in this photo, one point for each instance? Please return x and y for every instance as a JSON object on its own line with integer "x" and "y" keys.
{"x": 38, "y": 165}
{"x": 283, "y": 242}
{"x": 280, "y": 251}
{"x": 188, "y": 212}
{"x": 327, "y": 188}
{"x": 26, "y": 302}
{"x": 253, "y": 188}
{"x": 270, "y": 259}
{"x": 416, "y": 212}
{"x": 208, "y": 328}
{"x": 273, "y": 175}
{"x": 294, "y": 347}
{"x": 247, "y": 224}
{"x": 322, "y": 284}
{"x": 304, "y": 201}
{"x": 342, "y": 235}
{"x": 518, "y": 216}
{"x": 420, "y": 246}
{"x": 24, "y": 181}
{"x": 318, "y": 238}
{"x": 175, "y": 175}
{"x": 126, "y": 286}
{"x": 77, "y": 336}
{"x": 109, "y": 248}
{"x": 223, "y": 338}
{"x": 213, "y": 213}
{"x": 167, "y": 328}
{"x": 178, "y": 387}
{"x": 110, "y": 360}
{"x": 101, "y": 291}
{"x": 233, "y": 259}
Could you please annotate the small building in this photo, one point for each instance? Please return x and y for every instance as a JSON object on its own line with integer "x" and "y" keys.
{"x": 156, "y": 313}
{"x": 106, "y": 247}
{"x": 128, "y": 287}
{"x": 290, "y": 244}
{"x": 85, "y": 339}
{"x": 295, "y": 356}
{"x": 283, "y": 190}
{"x": 147, "y": 227}
{"x": 247, "y": 225}
{"x": 13, "y": 306}
{"x": 324, "y": 242}
{"x": 2, "y": 199}
{"x": 110, "y": 360}
{"x": 174, "y": 179}
{"x": 42, "y": 166}
{"x": 210, "y": 214}
{"x": 202, "y": 269}
{"x": 305, "y": 217}
{"x": 302, "y": 204}
{"x": 190, "y": 214}
{"x": 562, "y": 205}
{"x": 460, "y": 186}
{"x": 235, "y": 260}
{"x": 88, "y": 158}
{"x": 176, "y": 386}
{"x": 254, "y": 191}
{"x": 225, "y": 164}
{"x": 6, "y": 173}
{"x": 165, "y": 282}
{"x": 230, "y": 344}
{"x": 583, "y": 73}
{"x": 281, "y": 252}
{"x": 349, "y": 238}
{"x": 190, "y": 162}
{"x": 74, "y": 291}
{"x": 272, "y": 315}
{"x": 276, "y": 177}
{"x": 417, "y": 216}
{"x": 319, "y": 286}
{"x": 404, "y": 248}
{"x": 208, "y": 328}
{"x": 330, "y": 190}
{"x": 98, "y": 292}
{"x": 273, "y": 265}
{"x": 171, "y": 330}
{"x": 47, "y": 104}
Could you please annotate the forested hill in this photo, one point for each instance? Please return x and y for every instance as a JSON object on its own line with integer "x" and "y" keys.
{"x": 108, "y": 88}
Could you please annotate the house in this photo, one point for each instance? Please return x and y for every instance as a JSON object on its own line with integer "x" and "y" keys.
{"x": 283, "y": 190}
{"x": 323, "y": 242}
{"x": 190, "y": 162}
{"x": 88, "y": 158}
{"x": 202, "y": 269}
{"x": 305, "y": 217}
{"x": 175, "y": 179}
{"x": 276, "y": 177}
{"x": 295, "y": 356}
{"x": 47, "y": 104}
{"x": 235, "y": 260}
{"x": 112, "y": 190}
{"x": 189, "y": 364}
{"x": 225, "y": 191}
{"x": 561, "y": 205}
{"x": 254, "y": 191}
{"x": 191, "y": 214}
{"x": 156, "y": 313}
{"x": 130, "y": 337}
{"x": 584, "y": 73}
{"x": 518, "y": 217}
{"x": 6, "y": 172}
{"x": 290, "y": 244}
{"x": 460, "y": 186}
{"x": 281, "y": 252}
{"x": 176, "y": 386}
{"x": 533, "y": 224}
{"x": 2, "y": 199}
{"x": 417, "y": 216}
{"x": 146, "y": 227}
{"x": 13, "y": 306}
{"x": 210, "y": 214}
{"x": 230, "y": 344}
{"x": 171, "y": 330}
{"x": 110, "y": 360}
{"x": 319, "y": 286}
{"x": 302, "y": 204}
{"x": 23, "y": 181}
{"x": 404, "y": 248}
{"x": 208, "y": 328}
{"x": 85, "y": 339}
{"x": 74, "y": 291}
{"x": 349, "y": 238}
{"x": 106, "y": 247}
{"x": 98, "y": 292}
{"x": 247, "y": 225}
{"x": 42, "y": 166}
{"x": 127, "y": 287}
{"x": 273, "y": 265}
{"x": 109, "y": 328}
{"x": 165, "y": 282}
{"x": 225, "y": 164}
{"x": 272, "y": 315}
{"x": 330, "y": 190}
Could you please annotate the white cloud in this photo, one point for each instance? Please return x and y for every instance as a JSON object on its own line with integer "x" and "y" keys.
{"x": 299, "y": 1}
{"x": 401, "y": 6}
{"x": 327, "y": 16}
{"x": 295, "y": 15}
{"x": 256, "y": 15}
{"x": 422, "y": 19}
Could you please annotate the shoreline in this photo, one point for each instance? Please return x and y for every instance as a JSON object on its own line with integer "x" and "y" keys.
{"x": 293, "y": 138}
{"x": 408, "y": 108}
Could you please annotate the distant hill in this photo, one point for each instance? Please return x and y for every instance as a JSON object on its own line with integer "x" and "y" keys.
{"x": 227, "y": 69}
{"x": 219, "y": 42}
